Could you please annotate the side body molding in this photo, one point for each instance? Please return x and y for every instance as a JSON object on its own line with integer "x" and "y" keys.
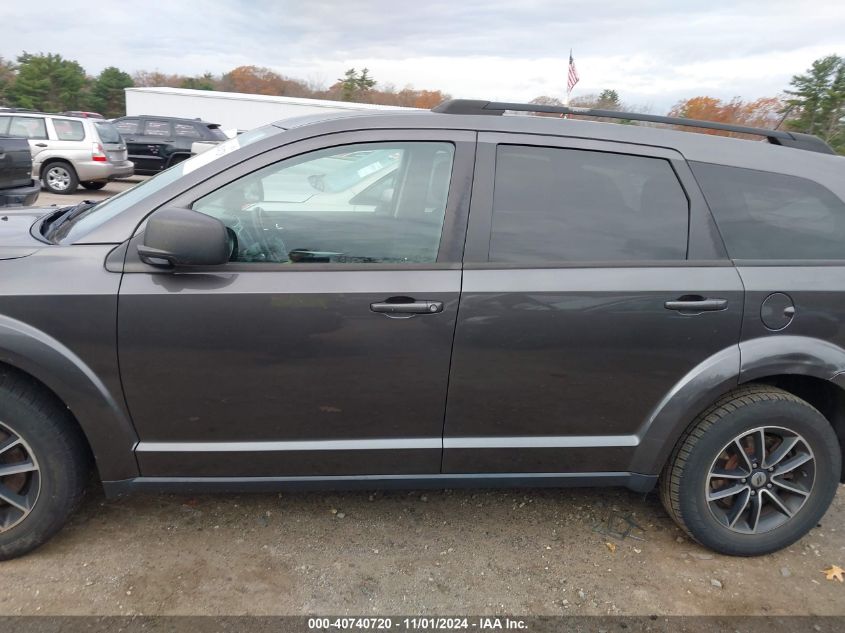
{"x": 748, "y": 361}
{"x": 99, "y": 412}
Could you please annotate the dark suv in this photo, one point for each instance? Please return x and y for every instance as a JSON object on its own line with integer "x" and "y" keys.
{"x": 155, "y": 143}
{"x": 439, "y": 300}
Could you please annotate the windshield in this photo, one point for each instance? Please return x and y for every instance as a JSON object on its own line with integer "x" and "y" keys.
{"x": 108, "y": 132}
{"x": 73, "y": 230}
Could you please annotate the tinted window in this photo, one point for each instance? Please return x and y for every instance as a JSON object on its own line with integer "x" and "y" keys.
{"x": 355, "y": 204}
{"x": 561, "y": 205}
{"x": 762, "y": 215}
{"x": 156, "y": 128}
{"x": 186, "y": 130}
{"x": 108, "y": 132}
{"x": 68, "y": 130}
{"x": 127, "y": 126}
{"x": 28, "y": 127}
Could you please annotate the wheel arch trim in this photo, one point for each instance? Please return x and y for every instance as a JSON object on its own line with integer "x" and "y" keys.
{"x": 742, "y": 363}
{"x": 99, "y": 412}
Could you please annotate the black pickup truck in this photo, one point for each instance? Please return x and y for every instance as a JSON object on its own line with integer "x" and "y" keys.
{"x": 17, "y": 188}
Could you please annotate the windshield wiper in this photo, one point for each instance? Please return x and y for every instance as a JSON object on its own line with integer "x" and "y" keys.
{"x": 67, "y": 214}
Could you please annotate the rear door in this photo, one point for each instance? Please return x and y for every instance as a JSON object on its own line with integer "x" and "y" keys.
{"x": 594, "y": 280}
{"x": 32, "y": 128}
{"x": 147, "y": 146}
{"x": 323, "y": 348}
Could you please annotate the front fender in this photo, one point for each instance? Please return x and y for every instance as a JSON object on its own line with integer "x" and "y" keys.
{"x": 98, "y": 410}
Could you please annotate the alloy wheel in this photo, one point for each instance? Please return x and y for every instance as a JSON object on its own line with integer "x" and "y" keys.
{"x": 760, "y": 480}
{"x": 58, "y": 178}
{"x": 20, "y": 481}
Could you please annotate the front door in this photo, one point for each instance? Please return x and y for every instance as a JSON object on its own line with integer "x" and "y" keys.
{"x": 323, "y": 347}
{"x": 593, "y": 283}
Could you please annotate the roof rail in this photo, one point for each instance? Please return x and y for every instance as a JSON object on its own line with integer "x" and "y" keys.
{"x": 795, "y": 140}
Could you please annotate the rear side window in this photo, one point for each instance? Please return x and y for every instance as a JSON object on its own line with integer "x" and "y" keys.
{"x": 28, "y": 127}
{"x": 565, "y": 205}
{"x": 186, "y": 130}
{"x": 763, "y": 215}
{"x": 156, "y": 128}
{"x": 4, "y": 124}
{"x": 108, "y": 132}
{"x": 69, "y": 130}
{"x": 127, "y": 126}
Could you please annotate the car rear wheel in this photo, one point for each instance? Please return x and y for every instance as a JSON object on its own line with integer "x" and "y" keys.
{"x": 94, "y": 185}
{"x": 60, "y": 178}
{"x": 754, "y": 473}
{"x": 43, "y": 466}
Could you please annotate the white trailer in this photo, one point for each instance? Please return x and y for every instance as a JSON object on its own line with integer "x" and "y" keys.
{"x": 231, "y": 110}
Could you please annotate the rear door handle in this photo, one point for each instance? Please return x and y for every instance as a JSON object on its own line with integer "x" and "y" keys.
{"x": 696, "y": 304}
{"x": 403, "y": 307}
{"x": 41, "y": 145}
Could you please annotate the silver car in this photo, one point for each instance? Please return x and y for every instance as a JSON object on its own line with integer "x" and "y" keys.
{"x": 70, "y": 151}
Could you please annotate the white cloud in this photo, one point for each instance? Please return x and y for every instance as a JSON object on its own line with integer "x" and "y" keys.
{"x": 653, "y": 52}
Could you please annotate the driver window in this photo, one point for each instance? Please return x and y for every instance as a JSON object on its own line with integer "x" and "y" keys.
{"x": 363, "y": 203}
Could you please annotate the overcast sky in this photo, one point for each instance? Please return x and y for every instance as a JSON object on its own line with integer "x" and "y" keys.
{"x": 653, "y": 52}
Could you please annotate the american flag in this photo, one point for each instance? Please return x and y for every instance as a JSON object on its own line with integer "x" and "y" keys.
{"x": 573, "y": 74}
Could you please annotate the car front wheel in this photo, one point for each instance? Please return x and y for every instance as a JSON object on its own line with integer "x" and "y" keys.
{"x": 43, "y": 465}
{"x": 754, "y": 473}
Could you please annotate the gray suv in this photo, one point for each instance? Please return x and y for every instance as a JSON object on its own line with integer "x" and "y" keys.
{"x": 438, "y": 300}
{"x": 69, "y": 151}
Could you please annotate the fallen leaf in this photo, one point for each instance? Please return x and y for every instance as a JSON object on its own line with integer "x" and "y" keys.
{"x": 834, "y": 573}
{"x": 612, "y": 548}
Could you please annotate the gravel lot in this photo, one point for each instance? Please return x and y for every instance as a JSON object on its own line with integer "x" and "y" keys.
{"x": 434, "y": 552}
{"x": 437, "y": 552}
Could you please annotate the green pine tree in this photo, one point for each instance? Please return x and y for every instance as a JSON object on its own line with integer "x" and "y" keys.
{"x": 49, "y": 83}
{"x": 107, "y": 94}
{"x": 817, "y": 101}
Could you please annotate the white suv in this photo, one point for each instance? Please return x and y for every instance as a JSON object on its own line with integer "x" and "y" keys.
{"x": 69, "y": 151}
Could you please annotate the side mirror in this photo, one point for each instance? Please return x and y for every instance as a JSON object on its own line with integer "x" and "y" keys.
{"x": 182, "y": 237}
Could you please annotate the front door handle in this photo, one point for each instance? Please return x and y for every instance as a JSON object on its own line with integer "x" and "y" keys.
{"x": 404, "y": 307}
{"x": 696, "y": 304}
{"x": 41, "y": 145}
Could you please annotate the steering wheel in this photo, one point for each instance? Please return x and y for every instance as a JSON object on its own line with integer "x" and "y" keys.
{"x": 256, "y": 242}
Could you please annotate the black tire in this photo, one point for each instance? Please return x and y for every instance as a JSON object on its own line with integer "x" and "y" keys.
{"x": 94, "y": 185}
{"x": 52, "y": 441}
{"x": 59, "y": 177}
{"x": 686, "y": 480}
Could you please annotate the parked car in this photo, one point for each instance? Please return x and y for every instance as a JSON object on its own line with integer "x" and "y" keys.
{"x": 156, "y": 143}
{"x": 602, "y": 304}
{"x": 69, "y": 151}
{"x": 17, "y": 188}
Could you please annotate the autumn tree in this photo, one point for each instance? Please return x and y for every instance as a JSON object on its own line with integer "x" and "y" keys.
{"x": 48, "y": 82}
{"x": 108, "y": 95}
{"x": 7, "y": 78}
{"x": 155, "y": 78}
{"x": 763, "y": 112}
{"x": 816, "y": 102}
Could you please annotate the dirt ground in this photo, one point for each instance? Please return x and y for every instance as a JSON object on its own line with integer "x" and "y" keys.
{"x": 434, "y": 552}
